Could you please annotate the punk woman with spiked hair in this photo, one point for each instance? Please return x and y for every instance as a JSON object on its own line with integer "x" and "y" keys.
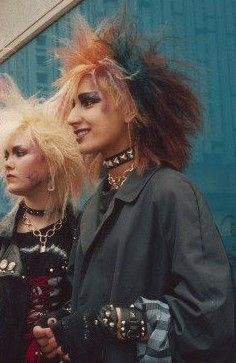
{"x": 151, "y": 279}
{"x": 42, "y": 170}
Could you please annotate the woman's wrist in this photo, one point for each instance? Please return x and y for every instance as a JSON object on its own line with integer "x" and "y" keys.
{"x": 77, "y": 333}
{"x": 84, "y": 330}
{"x": 122, "y": 323}
{"x": 119, "y": 316}
{"x": 131, "y": 324}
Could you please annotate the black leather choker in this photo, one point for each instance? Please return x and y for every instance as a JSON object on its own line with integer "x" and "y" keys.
{"x": 119, "y": 159}
{"x": 33, "y": 212}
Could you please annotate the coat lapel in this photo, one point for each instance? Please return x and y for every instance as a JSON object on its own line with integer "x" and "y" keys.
{"x": 88, "y": 225}
{"x": 8, "y": 223}
{"x": 127, "y": 193}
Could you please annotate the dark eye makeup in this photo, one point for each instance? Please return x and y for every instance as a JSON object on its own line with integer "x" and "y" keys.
{"x": 16, "y": 150}
{"x": 89, "y": 98}
{"x": 19, "y": 150}
{"x": 6, "y": 154}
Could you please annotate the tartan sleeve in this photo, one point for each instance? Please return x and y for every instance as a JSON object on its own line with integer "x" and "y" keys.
{"x": 157, "y": 348}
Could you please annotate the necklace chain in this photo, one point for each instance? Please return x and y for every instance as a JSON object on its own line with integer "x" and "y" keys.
{"x": 37, "y": 233}
{"x": 116, "y": 181}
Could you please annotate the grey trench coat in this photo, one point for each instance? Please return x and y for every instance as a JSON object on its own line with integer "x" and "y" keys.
{"x": 158, "y": 240}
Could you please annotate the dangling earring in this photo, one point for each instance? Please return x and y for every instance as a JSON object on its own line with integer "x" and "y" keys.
{"x": 129, "y": 136}
{"x": 51, "y": 183}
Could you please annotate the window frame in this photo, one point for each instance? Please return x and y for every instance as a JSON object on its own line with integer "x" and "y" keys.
{"x": 37, "y": 27}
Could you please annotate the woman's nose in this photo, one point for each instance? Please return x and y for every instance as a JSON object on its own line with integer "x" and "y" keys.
{"x": 74, "y": 117}
{"x": 9, "y": 164}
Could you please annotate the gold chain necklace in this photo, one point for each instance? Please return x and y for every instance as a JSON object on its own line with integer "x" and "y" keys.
{"x": 37, "y": 233}
{"x": 116, "y": 181}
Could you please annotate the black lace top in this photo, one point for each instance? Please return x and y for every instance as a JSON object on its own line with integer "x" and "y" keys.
{"x": 45, "y": 276}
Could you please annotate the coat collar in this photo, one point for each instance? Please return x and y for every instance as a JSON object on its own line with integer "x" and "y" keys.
{"x": 134, "y": 185}
{"x": 9, "y": 251}
{"x": 127, "y": 193}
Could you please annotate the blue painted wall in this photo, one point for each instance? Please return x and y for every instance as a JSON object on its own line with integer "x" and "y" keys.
{"x": 205, "y": 36}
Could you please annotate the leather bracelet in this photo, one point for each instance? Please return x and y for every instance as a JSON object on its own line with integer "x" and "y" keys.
{"x": 84, "y": 330}
{"x": 132, "y": 326}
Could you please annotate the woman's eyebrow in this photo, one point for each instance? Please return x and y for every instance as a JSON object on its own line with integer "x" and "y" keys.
{"x": 89, "y": 93}
{"x": 17, "y": 147}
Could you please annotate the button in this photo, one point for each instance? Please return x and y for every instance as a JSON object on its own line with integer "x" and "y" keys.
{"x": 11, "y": 266}
{"x": 3, "y": 264}
{"x": 51, "y": 321}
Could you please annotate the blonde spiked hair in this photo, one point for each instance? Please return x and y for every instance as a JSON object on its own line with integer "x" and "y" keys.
{"x": 54, "y": 139}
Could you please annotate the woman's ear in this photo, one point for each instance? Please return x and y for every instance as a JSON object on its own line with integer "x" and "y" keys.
{"x": 131, "y": 112}
{"x": 130, "y": 117}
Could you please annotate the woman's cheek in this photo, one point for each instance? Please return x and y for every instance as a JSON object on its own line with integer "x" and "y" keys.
{"x": 105, "y": 108}
{"x": 34, "y": 177}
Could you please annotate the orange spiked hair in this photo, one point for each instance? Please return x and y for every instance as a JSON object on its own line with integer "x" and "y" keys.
{"x": 166, "y": 111}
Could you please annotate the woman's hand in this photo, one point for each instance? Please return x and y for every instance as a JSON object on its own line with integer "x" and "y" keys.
{"x": 46, "y": 341}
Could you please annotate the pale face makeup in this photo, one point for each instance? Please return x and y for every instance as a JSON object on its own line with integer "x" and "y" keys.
{"x": 98, "y": 124}
{"x": 26, "y": 170}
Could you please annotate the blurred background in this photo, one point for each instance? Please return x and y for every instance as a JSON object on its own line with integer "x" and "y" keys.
{"x": 202, "y": 33}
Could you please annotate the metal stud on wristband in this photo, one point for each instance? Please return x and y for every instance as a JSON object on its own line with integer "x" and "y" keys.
{"x": 67, "y": 308}
{"x": 132, "y": 326}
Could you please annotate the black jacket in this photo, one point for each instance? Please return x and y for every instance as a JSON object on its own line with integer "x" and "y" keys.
{"x": 13, "y": 290}
{"x": 158, "y": 240}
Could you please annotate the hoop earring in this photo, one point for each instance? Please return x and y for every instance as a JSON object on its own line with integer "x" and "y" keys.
{"x": 51, "y": 183}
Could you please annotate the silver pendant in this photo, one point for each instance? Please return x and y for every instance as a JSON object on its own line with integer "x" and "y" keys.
{"x": 42, "y": 248}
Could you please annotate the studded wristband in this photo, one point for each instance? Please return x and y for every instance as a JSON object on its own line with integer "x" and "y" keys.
{"x": 132, "y": 326}
{"x": 79, "y": 332}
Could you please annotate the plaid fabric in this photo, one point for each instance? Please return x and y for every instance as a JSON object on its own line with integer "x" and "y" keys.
{"x": 157, "y": 348}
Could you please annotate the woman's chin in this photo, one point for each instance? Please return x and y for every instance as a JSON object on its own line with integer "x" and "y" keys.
{"x": 15, "y": 191}
{"x": 86, "y": 150}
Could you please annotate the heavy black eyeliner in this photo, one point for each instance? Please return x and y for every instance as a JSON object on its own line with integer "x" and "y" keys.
{"x": 6, "y": 155}
{"x": 18, "y": 151}
{"x": 89, "y": 98}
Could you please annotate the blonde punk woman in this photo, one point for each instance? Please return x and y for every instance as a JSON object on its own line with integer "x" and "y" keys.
{"x": 42, "y": 170}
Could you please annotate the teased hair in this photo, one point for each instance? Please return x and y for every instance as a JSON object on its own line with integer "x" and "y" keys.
{"x": 166, "y": 111}
{"x": 55, "y": 140}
